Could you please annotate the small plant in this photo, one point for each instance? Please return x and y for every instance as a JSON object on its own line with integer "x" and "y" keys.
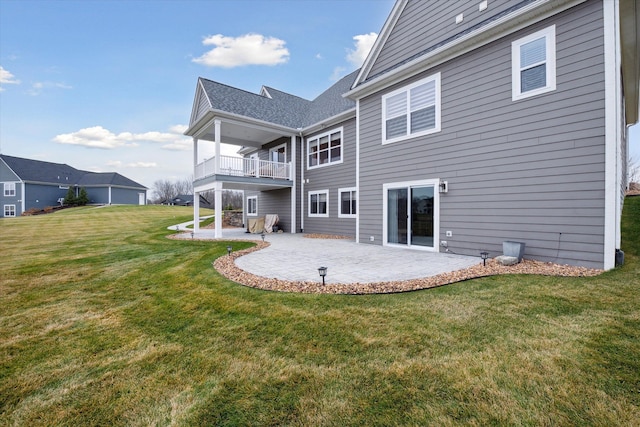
{"x": 83, "y": 198}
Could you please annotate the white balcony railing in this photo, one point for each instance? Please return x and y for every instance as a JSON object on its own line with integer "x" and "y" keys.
{"x": 238, "y": 166}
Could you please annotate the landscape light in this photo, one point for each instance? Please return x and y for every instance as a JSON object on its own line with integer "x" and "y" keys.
{"x": 323, "y": 272}
{"x": 484, "y": 256}
{"x": 263, "y": 236}
{"x": 229, "y": 249}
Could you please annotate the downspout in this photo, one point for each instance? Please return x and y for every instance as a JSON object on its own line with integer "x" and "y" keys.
{"x": 302, "y": 168}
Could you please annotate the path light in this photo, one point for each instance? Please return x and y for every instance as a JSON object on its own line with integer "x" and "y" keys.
{"x": 192, "y": 234}
{"x": 263, "y": 236}
{"x": 484, "y": 256}
{"x": 323, "y": 272}
{"x": 229, "y": 249}
{"x": 177, "y": 228}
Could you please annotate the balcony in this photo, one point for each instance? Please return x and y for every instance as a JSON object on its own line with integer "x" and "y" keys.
{"x": 243, "y": 168}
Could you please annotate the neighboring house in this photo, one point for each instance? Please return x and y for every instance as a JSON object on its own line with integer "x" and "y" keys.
{"x": 469, "y": 124}
{"x": 33, "y": 184}
{"x": 186, "y": 200}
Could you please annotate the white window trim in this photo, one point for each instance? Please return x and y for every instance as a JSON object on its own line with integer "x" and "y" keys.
{"x": 320, "y": 135}
{"x": 345, "y": 190}
{"x": 272, "y": 149}
{"x": 317, "y": 192}
{"x": 256, "y": 212}
{"x": 4, "y": 211}
{"x": 438, "y": 104}
{"x": 9, "y": 187}
{"x": 550, "y": 39}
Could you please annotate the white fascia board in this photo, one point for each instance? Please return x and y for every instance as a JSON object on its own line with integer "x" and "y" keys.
{"x": 226, "y": 117}
{"x": 345, "y": 115}
{"x": 199, "y": 92}
{"x": 497, "y": 29}
{"x": 381, "y": 40}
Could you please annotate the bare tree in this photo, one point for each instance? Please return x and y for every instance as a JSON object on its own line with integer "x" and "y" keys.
{"x": 184, "y": 186}
{"x": 633, "y": 170}
{"x": 163, "y": 190}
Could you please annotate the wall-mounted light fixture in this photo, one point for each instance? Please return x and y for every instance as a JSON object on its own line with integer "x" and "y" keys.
{"x": 443, "y": 186}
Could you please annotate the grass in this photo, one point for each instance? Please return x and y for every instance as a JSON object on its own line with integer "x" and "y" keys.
{"x": 104, "y": 321}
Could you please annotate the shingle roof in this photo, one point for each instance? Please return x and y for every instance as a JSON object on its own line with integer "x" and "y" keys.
{"x": 63, "y": 174}
{"x": 280, "y": 107}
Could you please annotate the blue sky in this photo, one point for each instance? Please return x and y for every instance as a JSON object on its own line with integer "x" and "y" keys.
{"x": 109, "y": 85}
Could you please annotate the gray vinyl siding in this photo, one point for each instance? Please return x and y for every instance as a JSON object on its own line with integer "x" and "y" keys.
{"x": 332, "y": 178}
{"x": 124, "y": 196}
{"x": 202, "y": 105}
{"x": 275, "y": 201}
{"x": 7, "y": 175}
{"x": 530, "y": 170}
{"x": 99, "y": 195}
{"x": 40, "y": 196}
{"x": 429, "y": 22}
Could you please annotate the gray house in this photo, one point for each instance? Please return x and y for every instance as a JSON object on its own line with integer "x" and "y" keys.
{"x": 469, "y": 124}
{"x": 33, "y": 184}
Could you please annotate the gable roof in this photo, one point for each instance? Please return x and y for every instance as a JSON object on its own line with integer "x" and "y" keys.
{"x": 278, "y": 107}
{"x": 62, "y": 174}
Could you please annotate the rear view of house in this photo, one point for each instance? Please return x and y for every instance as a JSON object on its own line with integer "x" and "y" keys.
{"x": 470, "y": 123}
{"x": 34, "y": 184}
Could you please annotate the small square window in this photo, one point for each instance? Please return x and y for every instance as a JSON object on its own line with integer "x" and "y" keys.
{"x": 9, "y": 210}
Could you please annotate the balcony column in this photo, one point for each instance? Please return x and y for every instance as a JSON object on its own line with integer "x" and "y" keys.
{"x": 217, "y": 124}
{"x": 195, "y": 157}
{"x": 196, "y": 196}
{"x": 292, "y": 176}
{"x": 196, "y": 212}
{"x": 218, "y": 209}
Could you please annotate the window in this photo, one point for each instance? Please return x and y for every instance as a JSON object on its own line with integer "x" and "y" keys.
{"x": 319, "y": 203}
{"x": 9, "y": 189}
{"x": 9, "y": 210}
{"x": 252, "y": 206}
{"x": 412, "y": 111}
{"x": 346, "y": 203}
{"x": 278, "y": 154}
{"x": 533, "y": 64}
{"x": 324, "y": 149}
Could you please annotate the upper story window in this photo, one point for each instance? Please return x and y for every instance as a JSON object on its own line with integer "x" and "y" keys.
{"x": 411, "y": 111}
{"x": 324, "y": 149}
{"x": 9, "y": 189}
{"x": 533, "y": 64}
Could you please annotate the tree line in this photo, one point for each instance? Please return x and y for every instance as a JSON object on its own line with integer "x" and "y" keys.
{"x": 165, "y": 190}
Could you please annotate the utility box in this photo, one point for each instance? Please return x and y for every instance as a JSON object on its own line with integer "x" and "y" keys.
{"x": 513, "y": 249}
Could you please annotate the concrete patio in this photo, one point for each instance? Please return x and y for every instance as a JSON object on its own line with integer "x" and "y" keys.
{"x": 297, "y": 258}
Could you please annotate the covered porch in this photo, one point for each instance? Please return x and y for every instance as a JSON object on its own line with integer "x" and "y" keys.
{"x": 221, "y": 172}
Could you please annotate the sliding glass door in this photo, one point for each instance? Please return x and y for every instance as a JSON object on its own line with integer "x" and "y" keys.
{"x": 411, "y": 215}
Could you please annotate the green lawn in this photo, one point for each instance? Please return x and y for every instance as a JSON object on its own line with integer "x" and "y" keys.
{"x": 104, "y": 321}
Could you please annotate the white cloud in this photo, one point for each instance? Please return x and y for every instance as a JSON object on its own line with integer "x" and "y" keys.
{"x": 319, "y": 56}
{"x": 120, "y": 164}
{"x": 363, "y": 44}
{"x": 249, "y": 49}
{"x": 6, "y": 78}
{"x": 38, "y": 87}
{"x": 99, "y": 137}
{"x": 338, "y": 72}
